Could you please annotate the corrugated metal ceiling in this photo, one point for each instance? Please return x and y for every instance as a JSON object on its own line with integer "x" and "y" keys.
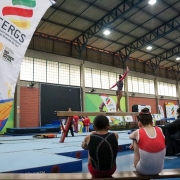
{"x": 71, "y": 19}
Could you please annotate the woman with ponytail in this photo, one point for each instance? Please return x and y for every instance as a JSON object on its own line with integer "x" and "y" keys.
{"x": 148, "y": 145}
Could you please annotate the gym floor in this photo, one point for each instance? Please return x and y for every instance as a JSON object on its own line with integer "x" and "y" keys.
{"x": 26, "y": 154}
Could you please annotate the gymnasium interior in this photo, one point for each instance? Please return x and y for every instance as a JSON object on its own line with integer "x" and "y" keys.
{"x": 70, "y": 63}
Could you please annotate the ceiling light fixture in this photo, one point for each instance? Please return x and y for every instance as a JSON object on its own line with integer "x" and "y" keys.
{"x": 106, "y": 32}
{"x": 178, "y": 58}
{"x": 151, "y": 2}
{"x": 149, "y": 47}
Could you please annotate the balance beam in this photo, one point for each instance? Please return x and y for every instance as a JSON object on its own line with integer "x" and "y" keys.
{"x": 166, "y": 173}
{"x": 81, "y": 113}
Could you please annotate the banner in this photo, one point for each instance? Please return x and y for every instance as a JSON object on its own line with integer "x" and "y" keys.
{"x": 18, "y": 21}
{"x": 111, "y": 107}
{"x": 171, "y": 109}
{"x": 161, "y": 111}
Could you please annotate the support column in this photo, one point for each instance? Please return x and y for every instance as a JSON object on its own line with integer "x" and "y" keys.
{"x": 126, "y": 83}
{"x": 178, "y": 91}
{"x": 126, "y": 92}
{"x": 17, "y": 105}
{"x": 82, "y": 70}
{"x": 156, "y": 94}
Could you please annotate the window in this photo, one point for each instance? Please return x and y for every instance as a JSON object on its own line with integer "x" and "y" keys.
{"x": 74, "y": 75}
{"x": 135, "y": 84}
{"x": 99, "y": 79}
{"x": 162, "y": 88}
{"x": 26, "y": 72}
{"x": 52, "y": 72}
{"x": 96, "y": 78}
{"x": 130, "y": 84}
{"x": 166, "y": 89}
{"x": 112, "y": 80}
{"x": 39, "y": 70}
{"x": 151, "y": 87}
{"x": 146, "y": 86}
{"x": 63, "y": 73}
{"x": 141, "y": 85}
{"x": 174, "y": 94}
{"x": 104, "y": 80}
{"x": 88, "y": 77}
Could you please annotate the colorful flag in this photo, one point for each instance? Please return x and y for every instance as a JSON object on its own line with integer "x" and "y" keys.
{"x": 18, "y": 21}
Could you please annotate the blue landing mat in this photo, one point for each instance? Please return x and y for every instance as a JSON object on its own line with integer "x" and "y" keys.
{"x": 78, "y": 152}
{"x": 26, "y": 154}
{"x": 47, "y": 155}
{"x": 38, "y": 162}
{"x": 43, "y": 129}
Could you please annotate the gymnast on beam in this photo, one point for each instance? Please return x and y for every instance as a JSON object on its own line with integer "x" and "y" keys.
{"x": 119, "y": 85}
{"x": 101, "y": 106}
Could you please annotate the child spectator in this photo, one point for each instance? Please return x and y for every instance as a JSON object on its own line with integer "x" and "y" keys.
{"x": 102, "y": 147}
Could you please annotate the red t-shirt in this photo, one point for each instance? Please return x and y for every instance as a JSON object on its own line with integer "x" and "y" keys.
{"x": 86, "y": 121}
{"x": 76, "y": 118}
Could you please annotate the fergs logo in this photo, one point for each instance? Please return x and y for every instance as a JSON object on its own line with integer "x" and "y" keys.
{"x": 8, "y": 55}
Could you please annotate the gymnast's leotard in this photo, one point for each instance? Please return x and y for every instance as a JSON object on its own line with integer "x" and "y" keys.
{"x": 103, "y": 151}
{"x": 119, "y": 84}
{"x": 152, "y": 152}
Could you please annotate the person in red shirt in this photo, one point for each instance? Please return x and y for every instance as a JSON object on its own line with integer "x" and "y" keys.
{"x": 86, "y": 122}
{"x": 76, "y": 119}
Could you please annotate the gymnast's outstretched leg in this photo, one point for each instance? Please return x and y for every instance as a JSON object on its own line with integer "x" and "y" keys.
{"x": 101, "y": 106}
{"x": 119, "y": 96}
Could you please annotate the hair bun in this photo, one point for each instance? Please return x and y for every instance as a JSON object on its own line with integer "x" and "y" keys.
{"x": 145, "y": 111}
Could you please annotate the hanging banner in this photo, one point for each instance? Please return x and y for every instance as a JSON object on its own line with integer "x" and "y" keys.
{"x": 18, "y": 21}
{"x": 111, "y": 107}
{"x": 161, "y": 111}
{"x": 171, "y": 109}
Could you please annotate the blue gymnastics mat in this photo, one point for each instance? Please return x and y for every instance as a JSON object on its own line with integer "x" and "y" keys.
{"x": 33, "y": 130}
{"x": 38, "y": 162}
{"x": 25, "y": 154}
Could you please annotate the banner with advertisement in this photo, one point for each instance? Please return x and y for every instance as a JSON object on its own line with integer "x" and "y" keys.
{"x": 171, "y": 109}
{"x": 161, "y": 111}
{"x": 94, "y": 101}
{"x": 111, "y": 107}
{"x": 18, "y": 21}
